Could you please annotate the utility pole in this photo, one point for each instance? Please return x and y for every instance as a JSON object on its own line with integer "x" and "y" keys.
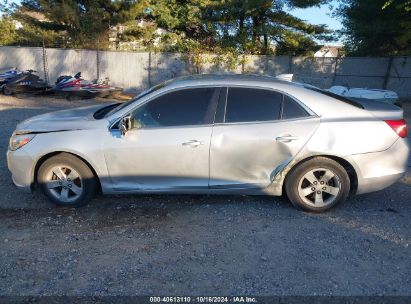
{"x": 387, "y": 74}
{"x": 336, "y": 64}
{"x": 149, "y": 65}
{"x": 98, "y": 59}
{"x": 45, "y": 64}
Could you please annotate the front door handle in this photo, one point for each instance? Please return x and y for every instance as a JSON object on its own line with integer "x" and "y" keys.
{"x": 192, "y": 143}
{"x": 286, "y": 138}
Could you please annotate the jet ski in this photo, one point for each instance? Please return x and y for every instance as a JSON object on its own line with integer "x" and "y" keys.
{"x": 386, "y": 96}
{"x": 8, "y": 75}
{"x": 77, "y": 86}
{"x": 24, "y": 82}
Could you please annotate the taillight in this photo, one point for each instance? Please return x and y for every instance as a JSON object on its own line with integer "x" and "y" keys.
{"x": 399, "y": 127}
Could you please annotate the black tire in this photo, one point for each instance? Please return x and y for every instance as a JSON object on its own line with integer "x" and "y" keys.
{"x": 7, "y": 91}
{"x": 86, "y": 181}
{"x": 297, "y": 174}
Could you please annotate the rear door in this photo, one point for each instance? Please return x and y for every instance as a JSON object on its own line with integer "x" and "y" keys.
{"x": 256, "y": 132}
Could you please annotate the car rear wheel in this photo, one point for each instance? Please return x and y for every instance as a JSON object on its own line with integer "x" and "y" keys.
{"x": 317, "y": 184}
{"x": 67, "y": 181}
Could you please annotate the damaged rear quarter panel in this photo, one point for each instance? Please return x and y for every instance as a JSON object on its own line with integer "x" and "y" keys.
{"x": 348, "y": 136}
{"x": 340, "y": 138}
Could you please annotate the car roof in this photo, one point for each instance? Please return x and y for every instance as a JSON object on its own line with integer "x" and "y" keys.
{"x": 227, "y": 79}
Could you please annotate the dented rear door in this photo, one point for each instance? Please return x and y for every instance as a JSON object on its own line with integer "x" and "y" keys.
{"x": 247, "y": 154}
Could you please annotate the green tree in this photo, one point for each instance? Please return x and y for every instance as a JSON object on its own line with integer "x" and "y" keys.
{"x": 264, "y": 27}
{"x": 83, "y": 23}
{"x": 376, "y": 27}
{"x": 247, "y": 26}
{"x": 406, "y": 5}
{"x": 7, "y": 31}
{"x": 228, "y": 27}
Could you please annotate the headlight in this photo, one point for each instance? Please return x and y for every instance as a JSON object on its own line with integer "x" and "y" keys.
{"x": 18, "y": 141}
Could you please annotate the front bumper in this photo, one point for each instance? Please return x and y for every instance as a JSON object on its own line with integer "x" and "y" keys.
{"x": 380, "y": 170}
{"x": 21, "y": 167}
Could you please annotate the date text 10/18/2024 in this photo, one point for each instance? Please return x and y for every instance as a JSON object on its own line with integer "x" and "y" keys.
{"x": 203, "y": 299}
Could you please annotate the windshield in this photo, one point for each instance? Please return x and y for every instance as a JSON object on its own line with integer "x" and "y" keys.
{"x": 139, "y": 96}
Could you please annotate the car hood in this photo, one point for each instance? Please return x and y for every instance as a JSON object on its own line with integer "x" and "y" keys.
{"x": 65, "y": 120}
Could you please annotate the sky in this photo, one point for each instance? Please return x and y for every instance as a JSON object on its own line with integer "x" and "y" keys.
{"x": 319, "y": 15}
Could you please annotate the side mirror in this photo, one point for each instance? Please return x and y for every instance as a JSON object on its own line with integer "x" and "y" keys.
{"x": 125, "y": 124}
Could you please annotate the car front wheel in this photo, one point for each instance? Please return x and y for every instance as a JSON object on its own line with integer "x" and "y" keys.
{"x": 66, "y": 180}
{"x": 317, "y": 184}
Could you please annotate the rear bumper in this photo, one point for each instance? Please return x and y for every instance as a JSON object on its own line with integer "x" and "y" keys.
{"x": 376, "y": 171}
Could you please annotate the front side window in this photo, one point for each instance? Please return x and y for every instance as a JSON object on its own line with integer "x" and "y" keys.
{"x": 180, "y": 108}
{"x": 252, "y": 105}
{"x": 119, "y": 107}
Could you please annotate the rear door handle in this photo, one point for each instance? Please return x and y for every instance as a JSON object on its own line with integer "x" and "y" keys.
{"x": 286, "y": 138}
{"x": 192, "y": 143}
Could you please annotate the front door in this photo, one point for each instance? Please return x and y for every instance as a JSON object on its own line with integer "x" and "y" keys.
{"x": 261, "y": 131}
{"x": 168, "y": 145}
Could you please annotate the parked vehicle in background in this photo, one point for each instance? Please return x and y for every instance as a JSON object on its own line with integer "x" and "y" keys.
{"x": 24, "y": 82}
{"x": 210, "y": 134}
{"x": 76, "y": 86}
{"x": 386, "y": 96}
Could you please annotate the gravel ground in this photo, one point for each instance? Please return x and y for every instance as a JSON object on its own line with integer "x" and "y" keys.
{"x": 197, "y": 245}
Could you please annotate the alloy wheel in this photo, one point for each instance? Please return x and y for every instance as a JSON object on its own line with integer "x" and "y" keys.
{"x": 64, "y": 183}
{"x": 319, "y": 187}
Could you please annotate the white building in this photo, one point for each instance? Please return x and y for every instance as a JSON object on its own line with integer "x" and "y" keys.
{"x": 115, "y": 44}
{"x": 328, "y": 51}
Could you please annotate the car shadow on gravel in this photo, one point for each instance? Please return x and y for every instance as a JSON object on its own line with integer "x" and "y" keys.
{"x": 137, "y": 244}
{"x": 121, "y": 211}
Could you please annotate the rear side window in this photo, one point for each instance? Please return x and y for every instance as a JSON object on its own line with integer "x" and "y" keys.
{"x": 250, "y": 105}
{"x": 291, "y": 109}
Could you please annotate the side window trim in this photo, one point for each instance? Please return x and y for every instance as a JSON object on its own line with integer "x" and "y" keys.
{"x": 225, "y": 103}
{"x": 281, "y": 107}
{"x": 219, "y": 116}
{"x": 213, "y": 105}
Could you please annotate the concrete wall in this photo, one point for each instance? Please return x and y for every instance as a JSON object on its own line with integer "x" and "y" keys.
{"x": 137, "y": 71}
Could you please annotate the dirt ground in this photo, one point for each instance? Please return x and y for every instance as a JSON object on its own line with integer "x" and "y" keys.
{"x": 197, "y": 245}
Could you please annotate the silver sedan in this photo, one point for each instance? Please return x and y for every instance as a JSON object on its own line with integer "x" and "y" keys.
{"x": 215, "y": 135}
